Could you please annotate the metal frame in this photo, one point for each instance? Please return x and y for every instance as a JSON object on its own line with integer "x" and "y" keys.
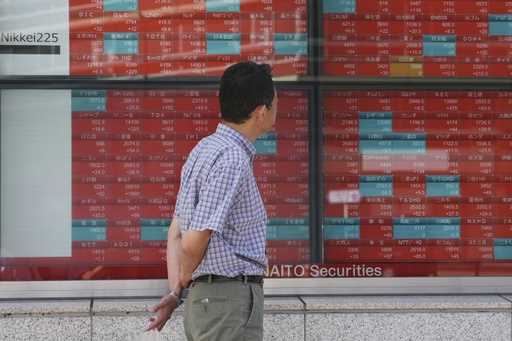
{"x": 315, "y": 82}
{"x": 319, "y": 27}
{"x": 315, "y": 221}
{"x": 402, "y": 285}
{"x": 273, "y": 287}
{"x": 144, "y": 288}
{"x": 311, "y": 24}
{"x": 281, "y": 287}
{"x": 312, "y": 43}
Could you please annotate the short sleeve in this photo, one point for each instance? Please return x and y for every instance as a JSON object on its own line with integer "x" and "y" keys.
{"x": 216, "y": 197}
{"x": 179, "y": 206}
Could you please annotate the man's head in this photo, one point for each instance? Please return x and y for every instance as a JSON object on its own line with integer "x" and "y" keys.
{"x": 247, "y": 95}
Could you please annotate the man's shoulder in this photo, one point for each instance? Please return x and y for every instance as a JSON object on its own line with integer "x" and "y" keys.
{"x": 222, "y": 152}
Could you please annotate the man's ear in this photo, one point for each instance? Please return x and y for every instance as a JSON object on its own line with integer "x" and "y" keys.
{"x": 259, "y": 113}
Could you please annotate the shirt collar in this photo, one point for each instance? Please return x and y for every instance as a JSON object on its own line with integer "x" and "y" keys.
{"x": 238, "y": 138}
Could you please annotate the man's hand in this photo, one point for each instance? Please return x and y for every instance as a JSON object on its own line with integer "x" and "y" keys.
{"x": 163, "y": 310}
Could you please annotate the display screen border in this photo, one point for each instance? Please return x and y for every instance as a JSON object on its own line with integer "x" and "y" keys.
{"x": 132, "y": 287}
{"x": 312, "y": 7}
{"x": 321, "y": 76}
{"x": 273, "y": 286}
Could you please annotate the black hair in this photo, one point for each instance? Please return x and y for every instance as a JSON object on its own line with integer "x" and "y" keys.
{"x": 244, "y": 87}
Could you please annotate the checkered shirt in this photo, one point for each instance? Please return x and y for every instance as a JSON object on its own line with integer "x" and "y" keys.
{"x": 218, "y": 192}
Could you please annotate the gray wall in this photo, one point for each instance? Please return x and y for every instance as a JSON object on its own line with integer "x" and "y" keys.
{"x": 468, "y": 317}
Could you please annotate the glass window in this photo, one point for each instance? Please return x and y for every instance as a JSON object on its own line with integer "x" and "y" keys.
{"x": 418, "y": 183}
{"x": 365, "y": 175}
{"x": 90, "y": 177}
{"x": 425, "y": 38}
{"x": 151, "y": 38}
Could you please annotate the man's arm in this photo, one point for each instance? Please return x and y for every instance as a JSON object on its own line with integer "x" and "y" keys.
{"x": 169, "y": 302}
{"x": 174, "y": 255}
{"x": 193, "y": 247}
{"x": 184, "y": 253}
{"x": 186, "y": 250}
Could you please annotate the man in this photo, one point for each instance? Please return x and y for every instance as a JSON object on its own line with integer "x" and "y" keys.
{"x": 216, "y": 241}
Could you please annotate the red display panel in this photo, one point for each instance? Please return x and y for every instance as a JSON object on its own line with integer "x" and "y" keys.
{"x": 418, "y": 183}
{"x": 409, "y": 38}
{"x": 186, "y": 38}
{"x": 128, "y": 148}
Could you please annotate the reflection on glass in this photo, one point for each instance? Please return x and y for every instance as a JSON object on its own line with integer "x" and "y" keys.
{"x": 372, "y": 38}
{"x": 125, "y": 150}
{"x": 418, "y": 183}
{"x": 153, "y": 38}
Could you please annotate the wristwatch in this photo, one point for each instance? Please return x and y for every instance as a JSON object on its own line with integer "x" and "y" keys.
{"x": 178, "y": 297}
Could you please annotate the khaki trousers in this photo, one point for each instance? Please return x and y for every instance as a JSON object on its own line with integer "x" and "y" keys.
{"x": 224, "y": 311}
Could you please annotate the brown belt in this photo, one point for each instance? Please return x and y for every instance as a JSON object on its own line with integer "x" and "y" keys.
{"x": 218, "y": 278}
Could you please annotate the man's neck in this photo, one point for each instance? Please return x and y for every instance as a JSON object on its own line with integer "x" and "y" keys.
{"x": 244, "y": 129}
